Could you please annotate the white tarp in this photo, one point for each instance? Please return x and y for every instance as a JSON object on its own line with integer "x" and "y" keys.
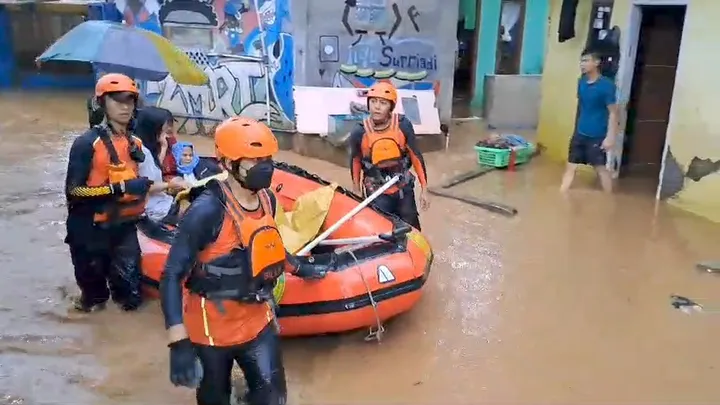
{"x": 316, "y": 107}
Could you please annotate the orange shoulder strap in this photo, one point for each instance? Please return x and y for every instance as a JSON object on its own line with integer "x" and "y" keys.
{"x": 399, "y": 134}
{"x": 395, "y": 123}
{"x": 232, "y": 207}
{"x": 266, "y": 202}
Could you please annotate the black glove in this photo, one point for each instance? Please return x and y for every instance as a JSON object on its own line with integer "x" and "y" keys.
{"x": 139, "y": 186}
{"x": 185, "y": 367}
{"x": 313, "y": 270}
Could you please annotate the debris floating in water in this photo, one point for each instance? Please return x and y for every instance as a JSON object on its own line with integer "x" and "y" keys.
{"x": 685, "y": 304}
{"x": 709, "y": 267}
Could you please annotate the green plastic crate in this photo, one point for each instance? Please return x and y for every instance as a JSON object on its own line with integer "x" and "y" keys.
{"x": 501, "y": 157}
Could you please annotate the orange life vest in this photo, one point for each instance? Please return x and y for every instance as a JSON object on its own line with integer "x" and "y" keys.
{"x": 232, "y": 282}
{"x": 384, "y": 155}
{"x": 112, "y": 163}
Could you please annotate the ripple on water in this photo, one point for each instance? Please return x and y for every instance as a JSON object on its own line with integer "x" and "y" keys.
{"x": 43, "y": 359}
{"x": 42, "y": 379}
{"x": 474, "y": 288}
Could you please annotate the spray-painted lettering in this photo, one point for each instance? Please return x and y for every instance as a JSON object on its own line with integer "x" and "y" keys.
{"x": 407, "y": 62}
{"x": 236, "y": 88}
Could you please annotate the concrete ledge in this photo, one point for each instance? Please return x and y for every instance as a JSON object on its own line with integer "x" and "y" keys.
{"x": 512, "y": 101}
{"x": 317, "y": 147}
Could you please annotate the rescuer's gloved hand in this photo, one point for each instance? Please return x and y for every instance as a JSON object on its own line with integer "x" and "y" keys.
{"x": 185, "y": 367}
{"x": 139, "y": 186}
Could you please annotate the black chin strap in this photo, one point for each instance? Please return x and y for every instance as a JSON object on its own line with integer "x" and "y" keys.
{"x": 234, "y": 170}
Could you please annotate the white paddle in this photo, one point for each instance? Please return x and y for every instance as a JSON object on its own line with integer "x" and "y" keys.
{"x": 347, "y": 216}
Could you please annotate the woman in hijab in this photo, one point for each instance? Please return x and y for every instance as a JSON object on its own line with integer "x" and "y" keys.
{"x": 153, "y": 125}
{"x": 187, "y": 161}
{"x": 190, "y": 167}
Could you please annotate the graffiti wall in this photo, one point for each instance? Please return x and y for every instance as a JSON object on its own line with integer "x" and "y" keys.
{"x": 358, "y": 42}
{"x": 229, "y": 39}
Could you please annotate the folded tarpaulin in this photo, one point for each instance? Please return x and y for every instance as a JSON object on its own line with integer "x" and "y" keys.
{"x": 300, "y": 226}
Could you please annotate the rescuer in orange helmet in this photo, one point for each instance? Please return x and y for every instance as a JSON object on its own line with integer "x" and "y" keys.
{"x": 105, "y": 198}
{"x": 229, "y": 248}
{"x": 384, "y": 146}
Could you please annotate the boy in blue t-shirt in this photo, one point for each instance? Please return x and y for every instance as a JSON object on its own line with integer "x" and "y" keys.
{"x": 597, "y": 123}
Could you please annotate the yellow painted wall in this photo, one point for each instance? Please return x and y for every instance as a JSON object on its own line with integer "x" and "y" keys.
{"x": 694, "y": 128}
{"x": 694, "y": 125}
{"x": 559, "y": 82}
{"x": 562, "y": 69}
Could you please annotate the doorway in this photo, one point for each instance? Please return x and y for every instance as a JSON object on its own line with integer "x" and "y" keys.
{"x": 651, "y": 91}
{"x": 467, "y": 37}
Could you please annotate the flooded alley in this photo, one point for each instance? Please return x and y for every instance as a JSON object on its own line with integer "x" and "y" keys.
{"x": 568, "y": 302}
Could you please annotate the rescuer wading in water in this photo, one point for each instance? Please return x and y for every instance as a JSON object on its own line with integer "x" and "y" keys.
{"x": 383, "y": 146}
{"x": 229, "y": 247}
{"x": 105, "y": 198}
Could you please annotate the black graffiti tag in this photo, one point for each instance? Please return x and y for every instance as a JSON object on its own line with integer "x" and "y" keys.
{"x": 412, "y": 13}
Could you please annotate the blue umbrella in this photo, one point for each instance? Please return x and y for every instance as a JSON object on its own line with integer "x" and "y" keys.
{"x": 117, "y": 48}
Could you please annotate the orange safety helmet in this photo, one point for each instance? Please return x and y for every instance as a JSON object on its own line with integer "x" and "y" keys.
{"x": 115, "y": 83}
{"x": 241, "y": 137}
{"x": 383, "y": 90}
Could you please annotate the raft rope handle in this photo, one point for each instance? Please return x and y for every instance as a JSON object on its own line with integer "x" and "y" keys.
{"x": 377, "y": 333}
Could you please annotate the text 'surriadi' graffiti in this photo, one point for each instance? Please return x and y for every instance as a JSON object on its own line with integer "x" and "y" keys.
{"x": 226, "y": 38}
{"x": 377, "y": 52}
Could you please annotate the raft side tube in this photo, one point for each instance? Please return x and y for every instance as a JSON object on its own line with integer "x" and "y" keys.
{"x": 343, "y": 261}
{"x": 335, "y": 306}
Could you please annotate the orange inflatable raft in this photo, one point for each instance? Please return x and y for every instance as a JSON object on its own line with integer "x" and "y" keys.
{"x": 372, "y": 282}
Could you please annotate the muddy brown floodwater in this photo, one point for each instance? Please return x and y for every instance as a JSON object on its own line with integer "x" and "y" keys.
{"x": 566, "y": 303}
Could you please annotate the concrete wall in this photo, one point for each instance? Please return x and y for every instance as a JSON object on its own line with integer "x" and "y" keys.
{"x": 690, "y": 177}
{"x": 694, "y": 121}
{"x": 559, "y": 81}
{"x": 416, "y": 51}
{"x": 409, "y": 42}
{"x": 533, "y": 42}
{"x": 512, "y": 101}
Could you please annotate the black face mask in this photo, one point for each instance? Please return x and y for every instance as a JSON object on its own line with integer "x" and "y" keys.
{"x": 258, "y": 177}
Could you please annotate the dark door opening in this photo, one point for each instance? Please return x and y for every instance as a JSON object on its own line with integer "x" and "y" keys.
{"x": 651, "y": 91}
{"x": 467, "y": 36}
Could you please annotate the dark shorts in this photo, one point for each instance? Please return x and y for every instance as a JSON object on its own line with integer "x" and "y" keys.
{"x": 586, "y": 150}
{"x": 402, "y": 205}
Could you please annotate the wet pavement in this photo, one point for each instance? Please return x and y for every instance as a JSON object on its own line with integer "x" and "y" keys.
{"x": 568, "y": 302}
